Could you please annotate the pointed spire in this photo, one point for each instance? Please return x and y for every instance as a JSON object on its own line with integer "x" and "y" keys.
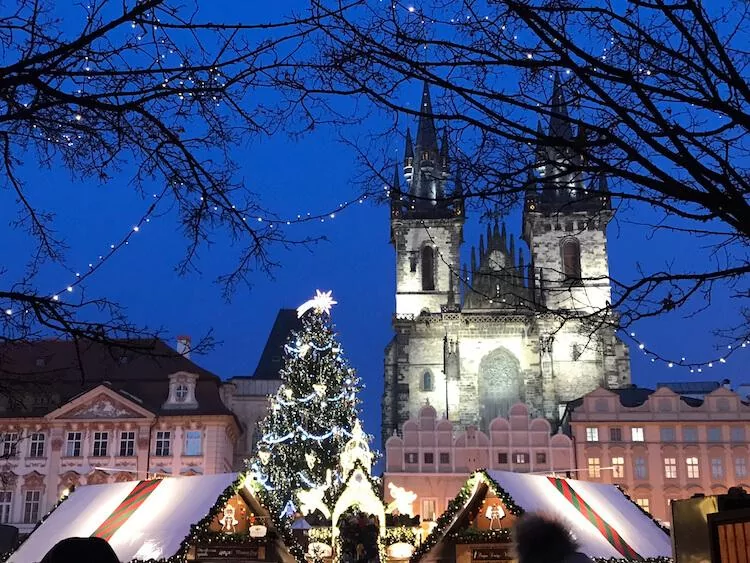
{"x": 451, "y": 290}
{"x": 490, "y": 240}
{"x": 603, "y": 185}
{"x": 512, "y": 253}
{"x": 503, "y": 236}
{"x": 473, "y": 262}
{"x": 396, "y": 184}
{"x": 541, "y": 150}
{"x": 521, "y": 268}
{"x": 458, "y": 187}
{"x": 481, "y": 250}
{"x": 559, "y": 124}
{"x": 426, "y": 133}
{"x": 444, "y": 150}
{"x": 409, "y": 148}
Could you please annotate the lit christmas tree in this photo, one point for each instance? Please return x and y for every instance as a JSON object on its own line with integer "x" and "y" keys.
{"x": 311, "y": 416}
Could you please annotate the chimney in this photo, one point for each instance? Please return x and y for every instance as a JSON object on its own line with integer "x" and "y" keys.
{"x": 183, "y": 346}
{"x": 726, "y": 384}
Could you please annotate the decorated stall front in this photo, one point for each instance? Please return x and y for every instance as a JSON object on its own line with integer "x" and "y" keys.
{"x": 201, "y": 519}
{"x": 477, "y": 525}
{"x": 348, "y": 521}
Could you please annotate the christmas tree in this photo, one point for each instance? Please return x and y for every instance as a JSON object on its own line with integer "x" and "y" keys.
{"x": 311, "y": 416}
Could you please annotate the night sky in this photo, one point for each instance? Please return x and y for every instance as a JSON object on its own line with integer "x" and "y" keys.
{"x": 313, "y": 174}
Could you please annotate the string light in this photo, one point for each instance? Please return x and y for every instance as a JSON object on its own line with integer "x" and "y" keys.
{"x": 693, "y": 367}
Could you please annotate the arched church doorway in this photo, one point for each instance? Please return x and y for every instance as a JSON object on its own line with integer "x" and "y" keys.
{"x": 500, "y": 385}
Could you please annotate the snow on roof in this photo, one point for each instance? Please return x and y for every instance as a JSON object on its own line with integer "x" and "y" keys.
{"x": 154, "y": 531}
{"x": 536, "y": 493}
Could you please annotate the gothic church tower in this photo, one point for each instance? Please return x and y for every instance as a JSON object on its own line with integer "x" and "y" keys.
{"x": 475, "y": 344}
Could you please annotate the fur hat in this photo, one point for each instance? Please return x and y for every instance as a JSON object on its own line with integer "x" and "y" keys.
{"x": 542, "y": 539}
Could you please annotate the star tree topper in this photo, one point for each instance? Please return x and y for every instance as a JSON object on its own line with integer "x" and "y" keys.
{"x": 322, "y": 303}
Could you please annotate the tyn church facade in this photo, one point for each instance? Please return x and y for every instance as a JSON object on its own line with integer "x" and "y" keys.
{"x": 472, "y": 343}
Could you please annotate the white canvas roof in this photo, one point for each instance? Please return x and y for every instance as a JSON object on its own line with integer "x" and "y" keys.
{"x": 154, "y": 531}
{"x": 535, "y": 493}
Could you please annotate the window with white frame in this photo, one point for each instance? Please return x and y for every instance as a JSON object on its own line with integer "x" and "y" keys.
{"x": 643, "y": 503}
{"x": 127, "y": 443}
{"x": 9, "y": 444}
{"x": 181, "y": 393}
{"x": 592, "y": 434}
{"x": 717, "y": 468}
{"x": 6, "y": 503}
{"x": 693, "y": 472}
{"x": 740, "y": 467}
{"x": 618, "y": 467}
{"x": 163, "y": 443}
{"x": 594, "y": 467}
{"x": 36, "y": 444}
{"x": 521, "y": 458}
{"x": 639, "y": 468}
{"x": 636, "y": 434}
{"x": 429, "y": 509}
{"x": 101, "y": 443}
{"x": 670, "y": 468}
{"x": 411, "y": 457}
{"x": 193, "y": 442}
{"x": 73, "y": 444}
{"x": 31, "y": 503}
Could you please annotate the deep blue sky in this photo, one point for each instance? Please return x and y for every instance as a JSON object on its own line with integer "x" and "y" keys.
{"x": 312, "y": 174}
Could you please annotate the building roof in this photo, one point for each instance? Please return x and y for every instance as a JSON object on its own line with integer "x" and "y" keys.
{"x": 635, "y": 396}
{"x": 271, "y": 360}
{"x": 42, "y": 375}
{"x": 155, "y": 530}
{"x": 691, "y": 387}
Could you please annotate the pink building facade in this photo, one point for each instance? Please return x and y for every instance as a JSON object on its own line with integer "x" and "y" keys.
{"x": 432, "y": 460}
{"x": 136, "y": 416}
{"x": 660, "y": 446}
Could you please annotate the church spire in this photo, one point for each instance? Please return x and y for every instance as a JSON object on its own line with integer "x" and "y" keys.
{"x": 426, "y": 132}
{"x": 559, "y": 123}
{"x": 408, "y": 149}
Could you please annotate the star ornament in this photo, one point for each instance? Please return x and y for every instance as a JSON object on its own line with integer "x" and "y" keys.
{"x": 322, "y": 303}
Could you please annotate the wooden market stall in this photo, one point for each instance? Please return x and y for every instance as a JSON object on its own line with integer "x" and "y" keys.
{"x": 200, "y": 519}
{"x": 476, "y": 527}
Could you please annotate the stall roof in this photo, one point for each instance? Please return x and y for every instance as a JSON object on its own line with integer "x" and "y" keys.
{"x": 154, "y": 530}
{"x": 560, "y": 498}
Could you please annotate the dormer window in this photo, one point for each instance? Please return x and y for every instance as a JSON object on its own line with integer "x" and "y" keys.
{"x": 181, "y": 393}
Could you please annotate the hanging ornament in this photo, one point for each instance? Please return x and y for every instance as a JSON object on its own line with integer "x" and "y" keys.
{"x": 228, "y": 521}
{"x": 320, "y": 389}
{"x": 311, "y": 459}
{"x": 303, "y": 350}
{"x": 288, "y": 392}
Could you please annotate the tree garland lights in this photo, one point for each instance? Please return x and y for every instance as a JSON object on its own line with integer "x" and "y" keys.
{"x": 312, "y": 414}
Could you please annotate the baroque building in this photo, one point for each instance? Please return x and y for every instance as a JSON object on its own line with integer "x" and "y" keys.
{"x": 474, "y": 340}
{"x": 659, "y": 445}
{"x": 88, "y": 413}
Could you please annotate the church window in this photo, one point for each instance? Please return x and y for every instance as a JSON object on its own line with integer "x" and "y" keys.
{"x": 411, "y": 458}
{"x": 427, "y": 383}
{"x": 445, "y": 458}
{"x": 502, "y": 458}
{"x": 571, "y": 255}
{"x": 429, "y": 458}
{"x": 541, "y": 458}
{"x": 428, "y": 269}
